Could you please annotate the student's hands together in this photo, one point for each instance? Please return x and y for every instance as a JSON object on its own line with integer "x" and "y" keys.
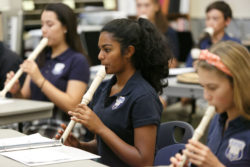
{"x": 71, "y": 139}
{"x": 199, "y": 155}
{"x": 31, "y": 68}
{"x": 84, "y": 115}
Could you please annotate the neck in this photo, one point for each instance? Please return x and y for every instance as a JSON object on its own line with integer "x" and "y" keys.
{"x": 231, "y": 114}
{"x": 58, "y": 49}
{"x": 122, "y": 79}
{"x": 217, "y": 37}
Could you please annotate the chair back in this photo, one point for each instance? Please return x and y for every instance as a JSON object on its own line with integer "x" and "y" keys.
{"x": 163, "y": 155}
{"x": 166, "y": 133}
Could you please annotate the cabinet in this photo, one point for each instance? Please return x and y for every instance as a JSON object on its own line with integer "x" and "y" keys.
{"x": 31, "y": 18}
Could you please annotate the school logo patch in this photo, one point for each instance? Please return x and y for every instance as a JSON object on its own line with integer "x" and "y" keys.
{"x": 118, "y": 102}
{"x": 235, "y": 149}
{"x": 58, "y": 69}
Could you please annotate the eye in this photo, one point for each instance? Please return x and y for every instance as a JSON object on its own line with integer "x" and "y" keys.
{"x": 50, "y": 24}
{"x": 215, "y": 18}
{"x": 211, "y": 88}
{"x": 107, "y": 50}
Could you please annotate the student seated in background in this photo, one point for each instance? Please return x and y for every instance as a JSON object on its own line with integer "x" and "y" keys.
{"x": 218, "y": 17}
{"x": 224, "y": 73}
{"x": 9, "y": 61}
{"x": 125, "y": 111}
{"x": 61, "y": 72}
{"x": 151, "y": 9}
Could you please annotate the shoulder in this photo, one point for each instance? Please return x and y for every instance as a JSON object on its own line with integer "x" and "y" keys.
{"x": 77, "y": 56}
{"x": 171, "y": 33}
{"x": 141, "y": 86}
{"x": 228, "y": 37}
{"x": 170, "y": 30}
{"x": 8, "y": 56}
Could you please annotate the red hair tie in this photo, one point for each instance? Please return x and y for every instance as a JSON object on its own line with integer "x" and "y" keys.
{"x": 214, "y": 60}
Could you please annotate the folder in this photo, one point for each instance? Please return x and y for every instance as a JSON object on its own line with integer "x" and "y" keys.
{"x": 34, "y": 150}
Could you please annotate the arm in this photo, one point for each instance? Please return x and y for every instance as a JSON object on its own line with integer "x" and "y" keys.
{"x": 64, "y": 100}
{"x": 90, "y": 146}
{"x": 141, "y": 154}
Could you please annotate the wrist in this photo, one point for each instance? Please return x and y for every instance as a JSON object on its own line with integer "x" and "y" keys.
{"x": 42, "y": 83}
{"x": 101, "y": 131}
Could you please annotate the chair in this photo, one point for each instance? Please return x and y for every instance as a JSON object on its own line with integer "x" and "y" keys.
{"x": 163, "y": 155}
{"x": 166, "y": 133}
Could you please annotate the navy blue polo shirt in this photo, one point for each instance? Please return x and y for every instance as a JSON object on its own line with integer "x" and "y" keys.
{"x": 172, "y": 38}
{"x": 136, "y": 105}
{"x": 70, "y": 65}
{"x": 232, "y": 147}
{"x": 206, "y": 44}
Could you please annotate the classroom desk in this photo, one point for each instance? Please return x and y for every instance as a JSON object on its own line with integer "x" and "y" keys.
{"x": 6, "y": 162}
{"x": 19, "y": 110}
{"x": 176, "y": 89}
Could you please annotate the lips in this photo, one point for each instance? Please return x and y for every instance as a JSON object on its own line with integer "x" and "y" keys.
{"x": 106, "y": 65}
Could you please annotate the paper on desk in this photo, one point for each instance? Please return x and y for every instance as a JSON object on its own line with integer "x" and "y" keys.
{"x": 22, "y": 140}
{"x": 5, "y": 101}
{"x": 49, "y": 155}
{"x": 41, "y": 156}
{"x": 177, "y": 71}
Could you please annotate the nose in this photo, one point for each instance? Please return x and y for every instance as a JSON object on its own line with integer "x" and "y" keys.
{"x": 209, "y": 23}
{"x": 100, "y": 55}
{"x": 43, "y": 30}
{"x": 207, "y": 95}
{"x": 141, "y": 10}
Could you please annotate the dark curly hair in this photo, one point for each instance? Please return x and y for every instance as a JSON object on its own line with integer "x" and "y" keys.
{"x": 152, "y": 54}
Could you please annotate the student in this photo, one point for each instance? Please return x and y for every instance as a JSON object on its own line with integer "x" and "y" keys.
{"x": 224, "y": 73}
{"x": 218, "y": 17}
{"x": 152, "y": 10}
{"x": 61, "y": 73}
{"x": 8, "y": 61}
{"x": 125, "y": 112}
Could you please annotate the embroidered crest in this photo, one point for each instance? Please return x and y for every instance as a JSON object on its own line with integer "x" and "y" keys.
{"x": 235, "y": 149}
{"x": 58, "y": 69}
{"x": 118, "y": 102}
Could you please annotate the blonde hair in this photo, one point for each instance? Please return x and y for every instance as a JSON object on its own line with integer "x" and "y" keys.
{"x": 237, "y": 59}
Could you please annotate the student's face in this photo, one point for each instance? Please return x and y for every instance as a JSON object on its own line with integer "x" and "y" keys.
{"x": 52, "y": 28}
{"x": 218, "y": 90}
{"x": 110, "y": 54}
{"x": 147, "y": 8}
{"x": 215, "y": 19}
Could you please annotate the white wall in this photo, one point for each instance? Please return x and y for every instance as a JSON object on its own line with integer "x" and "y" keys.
{"x": 127, "y": 6}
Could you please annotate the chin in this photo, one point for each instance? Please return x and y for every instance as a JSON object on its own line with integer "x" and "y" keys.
{"x": 219, "y": 110}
